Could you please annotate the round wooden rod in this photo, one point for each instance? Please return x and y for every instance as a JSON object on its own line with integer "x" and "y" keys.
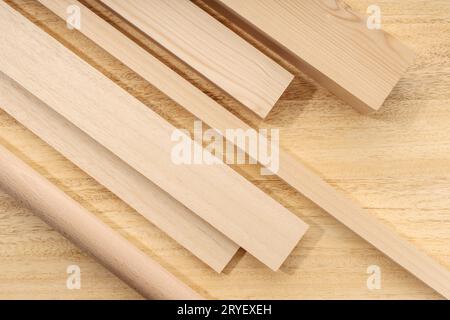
{"x": 88, "y": 232}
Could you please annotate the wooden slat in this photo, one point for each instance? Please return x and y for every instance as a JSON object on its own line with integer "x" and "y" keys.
{"x": 210, "y": 48}
{"x": 196, "y": 235}
{"x": 142, "y": 138}
{"x": 363, "y": 224}
{"x": 87, "y": 231}
{"x": 328, "y": 41}
{"x": 291, "y": 170}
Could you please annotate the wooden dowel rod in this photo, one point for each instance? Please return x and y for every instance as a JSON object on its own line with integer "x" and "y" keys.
{"x": 88, "y": 232}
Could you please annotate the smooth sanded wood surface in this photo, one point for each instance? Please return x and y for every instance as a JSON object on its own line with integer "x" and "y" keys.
{"x": 291, "y": 170}
{"x": 157, "y": 206}
{"x": 330, "y": 43}
{"x": 211, "y": 48}
{"x": 401, "y": 181}
{"x": 143, "y": 139}
{"x": 370, "y": 229}
{"x": 82, "y": 227}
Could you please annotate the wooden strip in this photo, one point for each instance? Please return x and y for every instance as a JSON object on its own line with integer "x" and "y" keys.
{"x": 329, "y": 42}
{"x": 369, "y": 228}
{"x": 157, "y": 206}
{"x": 142, "y": 138}
{"x": 291, "y": 170}
{"x": 210, "y": 48}
{"x": 87, "y": 231}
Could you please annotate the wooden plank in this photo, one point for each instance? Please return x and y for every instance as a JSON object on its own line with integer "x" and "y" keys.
{"x": 369, "y": 228}
{"x": 193, "y": 233}
{"x": 210, "y": 48}
{"x": 87, "y": 231}
{"x": 329, "y": 42}
{"x": 142, "y": 138}
{"x": 291, "y": 170}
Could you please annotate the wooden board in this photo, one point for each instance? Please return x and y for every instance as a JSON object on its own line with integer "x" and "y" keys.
{"x": 329, "y": 42}
{"x": 355, "y": 218}
{"x": 209, "y": 47}
{"x": 142, "y": 138}
{"x": 157, "y": 206}
{"x": 291, "y": 170}
{"x": 395, "y": 164}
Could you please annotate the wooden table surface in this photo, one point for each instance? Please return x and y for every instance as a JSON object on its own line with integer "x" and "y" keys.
{"x": 395, "y": 163}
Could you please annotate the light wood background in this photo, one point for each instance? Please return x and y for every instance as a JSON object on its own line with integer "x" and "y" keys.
{"x": 395, "y": 163}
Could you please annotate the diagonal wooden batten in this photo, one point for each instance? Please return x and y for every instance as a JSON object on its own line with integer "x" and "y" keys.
{"x": 291, "y": 170}
{"x": 141, "y": 138}
{"x": 210, "y": 48}
{"x": 188, "y": 229}
{"x": 369, "y": 228}
{"x": 329, "y": 42}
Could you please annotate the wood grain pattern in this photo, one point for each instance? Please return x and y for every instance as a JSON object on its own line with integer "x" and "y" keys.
{"x": 291, "y": 170}
{"x": 210, "y": 48}
{"x": 88, "y": 232}
{"x": 370, "y": 229}
{"x": 330, "y": 43}
{"x": 142, "y": 138}
{"x": 157, "y": 206}
{"x": 395, "y": 164}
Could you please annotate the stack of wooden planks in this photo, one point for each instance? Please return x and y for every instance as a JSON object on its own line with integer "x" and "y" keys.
{"x": 209, "y": 209}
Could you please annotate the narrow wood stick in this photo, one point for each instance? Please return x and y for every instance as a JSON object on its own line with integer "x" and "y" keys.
{"x": 88, "y": 232}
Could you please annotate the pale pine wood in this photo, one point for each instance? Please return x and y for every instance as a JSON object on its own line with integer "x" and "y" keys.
{"x": 370, "y": 229}
{"x": 291, "y": 169}
{"x": 88, "y": 232}
{"x": 142, "y": 138}
{"x": 329, "y": 42}
{"x": 210, "y": 48}
{"x": 157, "y": 206}
{"x": 395, "y": 164}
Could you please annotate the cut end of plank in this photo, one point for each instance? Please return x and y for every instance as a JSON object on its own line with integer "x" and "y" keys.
{"x": 222, "y": 261}
{"x": 302, "y": 229}
{"x": 264, "y": 112}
